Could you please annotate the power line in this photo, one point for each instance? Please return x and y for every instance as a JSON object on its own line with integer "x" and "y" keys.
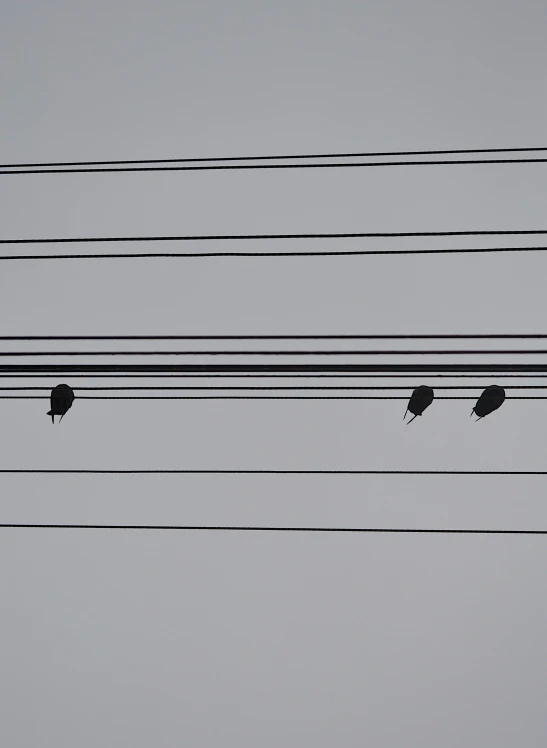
{"x": 428, "y": 336}
{"x": 308, "y": 369}
{"x": 244, "y": 528}
{"x": 341, "y": 352}
{"x": 275, "y": 376}
{"x": 276, "y": 388}
{"x": 261, "y": 397}
{"x": 161, "y": 471}
{"x": 269, "y": 166}
{"x": 198, "y": 255}
{"x": 244, "y": 237}
{"x": 375, "y": 154}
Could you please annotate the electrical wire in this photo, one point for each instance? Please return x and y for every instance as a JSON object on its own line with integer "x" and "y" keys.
{"x": 244, "y": 528}
{"x": 246, "y": 388}
{"x": 269, "y": 166}
{"x": 308, "y": 369}
{"x": 273, "y": 376}
{"x": 198, "y": 255}
{"x": 375, "y": 154}
{"x": 160, "y": 471}
{"x": 428, "y": 336}
{"x": 284, "y": 237}
{"x": 261, "y": 397}
{"x": 341, "y": 352}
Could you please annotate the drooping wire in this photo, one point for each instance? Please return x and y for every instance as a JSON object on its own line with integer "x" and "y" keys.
{"x": 201, "y": 255}
{"x": 427, "y": 336}
{"x": 244, "y": 528}
{"x": 262, "y": 397}
{"x": 270, "y": 368}
{"x": 268, "y": 166}
{"x": 342, "y": 376}
{"x": 366, "y": 154}
{"x": 278, "y": 237}
{"x": 339, "y": 352}
{"x": 177, "y": 471}
{"x": 275, "y": 388}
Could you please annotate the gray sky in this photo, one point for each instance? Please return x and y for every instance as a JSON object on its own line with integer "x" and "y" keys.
{"x": 220, "y": 640}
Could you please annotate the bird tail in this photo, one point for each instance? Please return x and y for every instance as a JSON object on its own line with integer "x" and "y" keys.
{"x": 61, "y": 418}
{"x": 416, "y": 416}
{"x": 404, "y": 417}
{"x": 50, "y": 413}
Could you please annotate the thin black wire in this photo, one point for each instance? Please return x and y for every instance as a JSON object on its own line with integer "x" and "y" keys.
{"x": 243, "y": 528}
{"x": 428, "y": 336}
{"x": 260, "y": 397}
{"x": 254, "y": 237}
{"x": 272, "y": 376}
{"x": 375, "y": 154}
{"x": 160, "y": 471}
{"x": 167, "y": 255}
{"x": 309, "y": 369}
{"x": 341, "y": 352}
{"x": 246, "y": 167}
{"x": 276, "y": 388}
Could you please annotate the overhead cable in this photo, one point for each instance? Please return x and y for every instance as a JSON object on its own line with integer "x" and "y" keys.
{"x": 276, "y": 388}
{"x": 366, "y": 154}
{"x": 315, "y": 368}
{"x": 244, "y": 528}
{"x": 341, "y": 352}
{"x": 336, "y": 253}
{"x": 261, "y": 397}
{"x": 267, "y": 166}
{"x": 427, "y": 336}
{"x": 342, "y": 376}
{"x": 255, "y": 237}
{"x": 168, "y": 471}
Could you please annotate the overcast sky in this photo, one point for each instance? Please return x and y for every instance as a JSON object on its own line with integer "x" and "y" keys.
{"x": 143, "y": 638}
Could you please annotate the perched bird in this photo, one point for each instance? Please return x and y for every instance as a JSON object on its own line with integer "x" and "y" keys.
{"x": 62, "y": 398}
{"x": 489, "y": 401}
{"x": 421, "y": 398}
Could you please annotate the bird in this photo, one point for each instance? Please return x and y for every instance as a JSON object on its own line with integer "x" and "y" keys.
{"x": 490, "y": 400}
{"x": 421, "y": 398}
{"x": 62, "y": 397}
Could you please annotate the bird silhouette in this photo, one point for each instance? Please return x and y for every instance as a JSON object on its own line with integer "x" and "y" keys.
{"x": 490, "y": 400}
{"x": 421, "y": 398}
{"x": 61, "y": 400}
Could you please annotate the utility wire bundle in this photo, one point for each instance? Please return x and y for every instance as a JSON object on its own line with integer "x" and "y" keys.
{"x": 491, "y": 398}
{"x": 270, "y": 253}
{"x": 421, "y": 397}
{"x": 302, "y": 161}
